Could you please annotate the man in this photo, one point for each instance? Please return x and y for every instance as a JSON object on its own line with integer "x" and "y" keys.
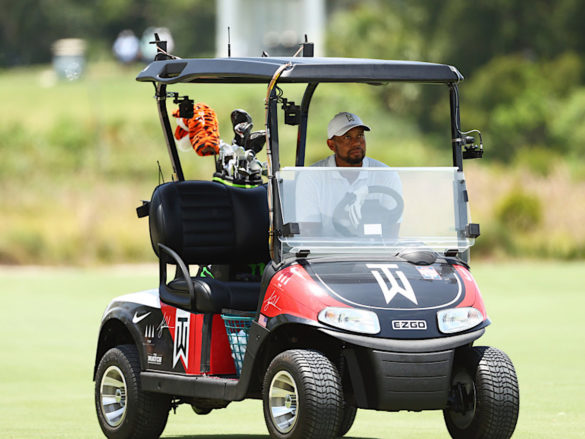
{"x": 346, "y": 138}
{"x": 347, "y": 202}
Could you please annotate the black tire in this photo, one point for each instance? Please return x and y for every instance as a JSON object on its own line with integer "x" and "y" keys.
{"x": 303, "y": 397}
{"x": 488, "y": 379}
{"x": 124, "y": 411}
{"x": 349, "y": 413}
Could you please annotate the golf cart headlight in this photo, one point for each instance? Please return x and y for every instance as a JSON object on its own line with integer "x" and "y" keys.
{"x": 351, "y": 319}
{"x": 458, "y": 319}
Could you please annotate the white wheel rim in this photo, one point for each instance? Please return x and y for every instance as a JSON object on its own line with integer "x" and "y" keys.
{"x": 113, "y": 396}
{"x": 283, "y": 402}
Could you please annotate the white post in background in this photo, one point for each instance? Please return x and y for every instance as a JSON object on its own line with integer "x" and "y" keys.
{"x": 274, "y": 26}
{"x": 315, "y": 22}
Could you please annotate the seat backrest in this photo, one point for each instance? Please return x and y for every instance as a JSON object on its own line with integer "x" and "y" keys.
{"x": 210, "y": 223}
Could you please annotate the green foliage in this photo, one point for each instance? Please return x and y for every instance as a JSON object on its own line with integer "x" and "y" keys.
{"x": 78, "y": 162}
{"x": 568, "y": 128}
{"x": 519, "y": 211}
{"x": 516, "y": 101}
{"x": 538, "y": 160}
{"x": 523, "y": 72}
{"x": 379, "y": 29}
{"x": 68, "y": 145}
{"x": 521, "y": 228}
{"x": 29, "y": 27}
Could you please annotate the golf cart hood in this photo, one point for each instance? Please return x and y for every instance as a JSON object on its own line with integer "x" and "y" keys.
{"x": 396, "y": 286}
{"x": 407, "y": 298}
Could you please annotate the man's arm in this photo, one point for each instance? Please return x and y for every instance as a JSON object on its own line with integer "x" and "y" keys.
{"x": 307, "y": 205}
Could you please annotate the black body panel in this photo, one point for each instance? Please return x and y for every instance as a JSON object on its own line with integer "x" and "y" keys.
{"x": 361, "y": 284}
{"x": 407, "y": 346}
{"x": 407, "y": 381}
{"x": 148, "y": 329}
{"x": 398, "y": 375}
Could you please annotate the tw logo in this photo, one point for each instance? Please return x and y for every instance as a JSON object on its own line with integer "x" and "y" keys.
{"x": 181, "y": 345}
{"x": 389, "y": 284}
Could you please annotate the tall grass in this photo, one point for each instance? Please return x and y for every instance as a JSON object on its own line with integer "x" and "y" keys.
{"x": 77, "y": 158}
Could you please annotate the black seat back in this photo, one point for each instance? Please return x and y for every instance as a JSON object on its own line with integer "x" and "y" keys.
{"x": 210, "y": 223}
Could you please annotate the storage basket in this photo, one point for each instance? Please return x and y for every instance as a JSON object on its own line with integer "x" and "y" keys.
{"x": 237, "y": 328}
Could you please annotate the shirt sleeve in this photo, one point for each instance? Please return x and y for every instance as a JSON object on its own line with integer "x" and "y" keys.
{"x": 307, "y": 197}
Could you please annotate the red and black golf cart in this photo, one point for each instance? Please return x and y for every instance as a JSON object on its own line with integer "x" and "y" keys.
{"x": 366, "y": 303}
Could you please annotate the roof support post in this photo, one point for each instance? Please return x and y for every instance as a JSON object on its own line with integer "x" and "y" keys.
{"x": 272, "y": 129}
{"x": 161, "y": 98}
{"x": 302, "y": 133}
{"x": 275, "y": 215}
{"x": 456, "y": 141}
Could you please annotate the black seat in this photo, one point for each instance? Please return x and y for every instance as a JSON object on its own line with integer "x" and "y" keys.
{"x": 202, "y": 222}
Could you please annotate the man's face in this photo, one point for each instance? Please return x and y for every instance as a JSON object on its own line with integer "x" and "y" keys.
{"x": 349, "y": 148}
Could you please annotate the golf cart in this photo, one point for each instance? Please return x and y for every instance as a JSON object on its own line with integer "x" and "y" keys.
{"x": 366, "y": 303}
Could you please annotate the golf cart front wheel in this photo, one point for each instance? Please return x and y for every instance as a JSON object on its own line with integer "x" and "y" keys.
{"x": 303, "y": 397}
{"x": 485, "y": 394}
{"x": 124, "y": 411}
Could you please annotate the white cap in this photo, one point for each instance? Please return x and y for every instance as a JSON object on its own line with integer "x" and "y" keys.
{"x": 342, "y": 123}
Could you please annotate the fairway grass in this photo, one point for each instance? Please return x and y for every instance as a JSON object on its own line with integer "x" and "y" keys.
{"x": 53, "y": 315}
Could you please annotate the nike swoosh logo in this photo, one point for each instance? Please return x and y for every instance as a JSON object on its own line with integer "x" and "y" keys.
{"x": 137, "y": 318}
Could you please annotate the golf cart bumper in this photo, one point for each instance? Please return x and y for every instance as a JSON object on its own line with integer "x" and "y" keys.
{"x": 397, "y": 375}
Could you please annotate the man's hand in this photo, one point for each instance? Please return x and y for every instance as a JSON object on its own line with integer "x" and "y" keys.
{"x": 355, "y": 208}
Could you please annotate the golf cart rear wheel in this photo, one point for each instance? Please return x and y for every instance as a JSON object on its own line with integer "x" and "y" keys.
{"x": 124, "y": 411}
{"x": 486, "y": 395}
{"x": 303, "y": 397}
{"x": 349, "y": 412}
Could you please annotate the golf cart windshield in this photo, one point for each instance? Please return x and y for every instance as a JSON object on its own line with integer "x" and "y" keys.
{"x": 372, "y": 210}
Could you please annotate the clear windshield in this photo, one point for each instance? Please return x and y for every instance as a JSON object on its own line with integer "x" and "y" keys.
{"x": 370, "y": 210}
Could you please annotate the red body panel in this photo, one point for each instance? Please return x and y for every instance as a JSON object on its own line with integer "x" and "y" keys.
{"x": 220, "y": 355}
{"x": 472, "y": 295}
{"x": 292, "y": 291}
{"x": 189, "y": 354}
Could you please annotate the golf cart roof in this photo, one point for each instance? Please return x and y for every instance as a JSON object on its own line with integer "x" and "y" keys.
{"x": 301, "y": 70}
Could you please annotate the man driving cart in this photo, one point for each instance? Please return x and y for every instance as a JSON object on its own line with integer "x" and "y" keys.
{"x": 348, "y": 199}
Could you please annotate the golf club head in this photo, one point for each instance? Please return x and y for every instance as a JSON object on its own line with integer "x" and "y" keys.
{"x": 238, "y": 116}
{"x": 256, "y": 141}
{"x": 242, "y": 133}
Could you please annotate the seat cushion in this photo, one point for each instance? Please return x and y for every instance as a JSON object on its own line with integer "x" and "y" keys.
{"x": 210, "y": 223}
{"x": 212, "y": 295}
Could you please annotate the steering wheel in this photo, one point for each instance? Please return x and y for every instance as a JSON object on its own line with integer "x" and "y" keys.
{"x": 386, "y": 217}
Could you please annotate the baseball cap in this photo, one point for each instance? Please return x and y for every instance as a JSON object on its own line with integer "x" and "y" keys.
{"x": 342, "y": 123}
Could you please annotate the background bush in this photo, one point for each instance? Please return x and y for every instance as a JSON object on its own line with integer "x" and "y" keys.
{"x": 519, "y": 211}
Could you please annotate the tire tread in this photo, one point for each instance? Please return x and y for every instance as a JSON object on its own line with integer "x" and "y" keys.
{"x": 497, "y": 397}
{"x": 148, "y": 418}
{"x": 321, "y": 386}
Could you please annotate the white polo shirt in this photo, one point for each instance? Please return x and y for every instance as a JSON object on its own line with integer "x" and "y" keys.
{"x": 329, "y": 162}
{"x": 318, "y": 195}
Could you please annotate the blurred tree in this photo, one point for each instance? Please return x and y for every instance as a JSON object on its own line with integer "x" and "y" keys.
{"x": 524, "y": 60}
{"x": 520, "y": 102}
{"x": 29, "y": 27}
{"x": 568, "y": 128}
{"x": 191, "y": 22}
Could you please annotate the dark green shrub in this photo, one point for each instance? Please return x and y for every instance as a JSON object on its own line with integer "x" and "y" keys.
{"x": 519, "y": 210}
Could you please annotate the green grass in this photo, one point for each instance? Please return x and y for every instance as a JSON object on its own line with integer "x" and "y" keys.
{"x": 52, "y": 318}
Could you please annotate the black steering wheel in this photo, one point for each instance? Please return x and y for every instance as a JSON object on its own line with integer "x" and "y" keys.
{"x": 384, "y": 216}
